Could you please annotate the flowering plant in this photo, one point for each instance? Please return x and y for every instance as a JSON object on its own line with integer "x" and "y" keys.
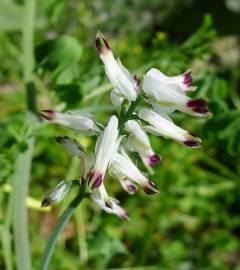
{"x": 141, "y": 108}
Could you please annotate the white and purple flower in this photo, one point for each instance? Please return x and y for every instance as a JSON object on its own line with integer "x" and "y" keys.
{"x": 139, "y": 142}
{"x": 125, "y": 85}
{"x": 161, "y": 125}
{"x": 169, "y": 93}
{"x": 77, "y": 121}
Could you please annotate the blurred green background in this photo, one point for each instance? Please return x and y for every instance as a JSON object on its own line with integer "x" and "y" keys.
{"x": 194, "y": 223}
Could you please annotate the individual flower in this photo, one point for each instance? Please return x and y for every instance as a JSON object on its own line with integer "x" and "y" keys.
{"x": 105, "y": 147}
{"x": 116, "y": 209}
{"x": 138, "y": 141}
{"x": 169, "y": 93}
{"x": 163, "y": 126}
{"x": 77, "y": 121}
{"x": 126, "y": 184}
{"x": 121, "y": 164}
{"x": 72, "y": 146}
{"x": 125, "y": 85}
{"x": 57, "y": 194}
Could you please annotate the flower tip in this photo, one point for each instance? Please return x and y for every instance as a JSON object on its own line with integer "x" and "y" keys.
{"x": 199, "y": 106}
{"x": 192, "y": 143}
{"x": 98, "y": 181}
{"x": 46, "y": 202}
{"x": 125, "y": 216}
{"x": 150, "y": 188}
{"x": 48, "y": 114}
{"x": 108, "y": 204}
{"x": 187, "y": 78}
{"x": 101, "y": 43}
{"x": 154, "y": 160}
{"x": 61, "y": 139}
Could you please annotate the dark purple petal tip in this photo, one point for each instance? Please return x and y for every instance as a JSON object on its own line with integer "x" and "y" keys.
{"x": 198, "y": 105}
{"x": 187, "y": 80}
{"x": 108, "y": 204}
{"x": 154, "y": 160}
{"x": 191, "y": 143}
{"x": 150, "y": 188}
{"x": 47, "y": 114}
{"x": 98, "y": 181}
{"x": 101, "y": 43}
{"x": 131, "y": 188}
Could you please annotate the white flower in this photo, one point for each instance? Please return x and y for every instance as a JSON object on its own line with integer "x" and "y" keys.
{"x": 126, "y": 184}
{"x": 76, "y": 121}
{"x": 123, "y": 165}
{"x": 116, "y": 209}
{"x": 169, "y": 93}
{"x": 125, "y": 85}
{"x": 163, "y": 126}
{"x": 57, "y": 194}
{"x": 138, "y": 141}
{"x": 105, "y": 148}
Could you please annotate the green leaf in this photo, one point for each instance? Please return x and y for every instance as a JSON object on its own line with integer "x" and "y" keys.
{"x": 58, "y": 54}
{"x": 69, "y": 93}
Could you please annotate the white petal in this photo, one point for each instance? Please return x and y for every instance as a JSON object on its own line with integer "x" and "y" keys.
{"x": 105, "y": 150}
{"x": 123, "y": 164}
{"x": 118, "y": 75}
{"x": 116, "y": 208}
{"x": 75, "y": 121}
{"x": 116, "y": 99}
{"x": 72, "y": 146}
{"x": 168, "y": 129}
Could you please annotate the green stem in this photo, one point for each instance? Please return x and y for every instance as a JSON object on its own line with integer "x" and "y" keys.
{"x": 125, "y": 117}
{"x": 22, "y": 175}
{"x": 45, "y": 260}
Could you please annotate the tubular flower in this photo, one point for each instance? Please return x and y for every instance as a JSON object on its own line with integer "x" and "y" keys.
{"x": 138, "y": 141}
{"x": 72, "y": 146}
{"x": 126, "y": 184}
{"x": 160, "y": 125}
{"x": 123, "y": 165}
{"x": 169, "y": 93}
{"x": 116, "y": 209}
{"x": 77, "y": 121}
{"x": 105, "y": 148}
{"x": 125, "y": 85}
{"x": 57, "y": 194}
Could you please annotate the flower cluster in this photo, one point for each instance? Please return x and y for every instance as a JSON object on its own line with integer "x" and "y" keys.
{"x": 127, "y": 132}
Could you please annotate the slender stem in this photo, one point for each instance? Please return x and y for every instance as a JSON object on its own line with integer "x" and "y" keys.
{"x": 45, "y": 260}
{"x": 124, "y": 118}
{"x": 22, "y": 175}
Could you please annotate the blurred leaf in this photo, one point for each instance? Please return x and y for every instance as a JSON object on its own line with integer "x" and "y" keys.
{"x": 69, "y": 93}
{"x": 58, "y": 54}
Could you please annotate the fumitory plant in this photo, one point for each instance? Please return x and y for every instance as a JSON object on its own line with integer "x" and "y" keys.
{"x": 141, "y": 108}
